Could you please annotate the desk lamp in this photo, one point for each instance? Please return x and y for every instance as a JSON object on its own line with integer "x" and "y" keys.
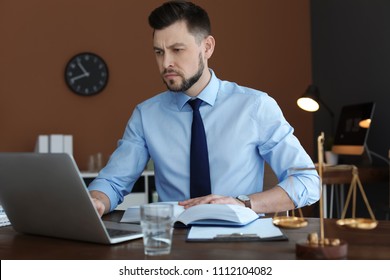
{"x": 310, "y": 101}
{"x": 365, "y": 123}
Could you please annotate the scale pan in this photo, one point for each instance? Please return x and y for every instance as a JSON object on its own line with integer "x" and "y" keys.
{"x": 289, "y": 222}
{"x": 358, "y": 223}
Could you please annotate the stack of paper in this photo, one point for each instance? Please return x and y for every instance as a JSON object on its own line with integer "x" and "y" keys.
{"x": 54, "y": 143}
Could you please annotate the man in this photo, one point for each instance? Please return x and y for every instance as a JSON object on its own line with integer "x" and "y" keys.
{"x": 244, "y": 128}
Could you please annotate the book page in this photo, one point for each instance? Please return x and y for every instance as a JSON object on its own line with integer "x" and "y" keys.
{"x": 203, "y": 214}
{"x": 132, "y": 214}
{"x": 217, "y": 214}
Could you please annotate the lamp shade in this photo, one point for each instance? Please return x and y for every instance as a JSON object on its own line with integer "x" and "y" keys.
{"x": 365, "y": 123}
{"x": 309, "y": 101}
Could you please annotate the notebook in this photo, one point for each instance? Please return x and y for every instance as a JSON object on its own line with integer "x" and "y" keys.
{"x": 44, "y": 194}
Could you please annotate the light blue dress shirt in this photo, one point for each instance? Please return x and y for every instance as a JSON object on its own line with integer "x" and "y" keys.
{"x": 244, "y": 127}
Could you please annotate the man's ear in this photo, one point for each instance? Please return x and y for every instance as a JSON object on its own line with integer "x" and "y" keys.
{"x": 209, "y": 43}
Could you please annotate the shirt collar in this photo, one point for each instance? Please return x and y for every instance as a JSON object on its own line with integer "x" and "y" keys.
{"x": 208, "y": 94}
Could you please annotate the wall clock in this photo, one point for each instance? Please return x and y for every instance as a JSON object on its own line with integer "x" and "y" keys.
{"x": 86, "y": 74}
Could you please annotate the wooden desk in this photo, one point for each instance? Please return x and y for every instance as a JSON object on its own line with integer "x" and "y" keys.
{"x": 372, "y": 244}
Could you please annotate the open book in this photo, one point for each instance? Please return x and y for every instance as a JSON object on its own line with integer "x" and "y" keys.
{"x": 203, "y": 214}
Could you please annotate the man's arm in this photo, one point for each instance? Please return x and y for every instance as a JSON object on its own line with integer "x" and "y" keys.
{"x": 101, "y": 202}
{"x": 270, "y": 201}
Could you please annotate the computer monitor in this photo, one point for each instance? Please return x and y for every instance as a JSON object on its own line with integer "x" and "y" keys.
{"x": 351, "y": 134}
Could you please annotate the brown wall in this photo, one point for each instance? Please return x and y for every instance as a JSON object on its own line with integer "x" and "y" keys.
{"x": 260, "y": 43}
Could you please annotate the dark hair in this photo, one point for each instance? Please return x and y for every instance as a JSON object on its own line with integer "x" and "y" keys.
{"x": 197, "y": 19}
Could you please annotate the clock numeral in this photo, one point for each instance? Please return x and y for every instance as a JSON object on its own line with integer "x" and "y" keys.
{"x": 86, "y": 57}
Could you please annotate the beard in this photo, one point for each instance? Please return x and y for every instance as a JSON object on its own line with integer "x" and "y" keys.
{"x": 185, "y": 84}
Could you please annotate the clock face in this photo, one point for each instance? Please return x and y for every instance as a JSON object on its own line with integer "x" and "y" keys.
{"x": 86, "y": 74}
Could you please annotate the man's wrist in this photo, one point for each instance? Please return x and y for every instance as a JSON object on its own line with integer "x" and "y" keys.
{"x": 245, "y": 200}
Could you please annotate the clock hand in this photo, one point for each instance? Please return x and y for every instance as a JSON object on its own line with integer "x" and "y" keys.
{"x": 79, "y": 77}
{"x": 82, "y": 68}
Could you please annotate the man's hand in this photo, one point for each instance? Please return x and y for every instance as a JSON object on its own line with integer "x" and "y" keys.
{"x": 100, "y": 201}
{"x": 210, "y": 199}
{"x": 99, "y": 206}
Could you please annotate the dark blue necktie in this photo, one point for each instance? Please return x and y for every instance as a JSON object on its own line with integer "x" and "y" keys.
{"x": 199, "y": 159}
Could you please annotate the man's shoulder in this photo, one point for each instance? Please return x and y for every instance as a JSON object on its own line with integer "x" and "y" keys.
{"x": 228, "y": 87}
{"x": 165, "y": 96}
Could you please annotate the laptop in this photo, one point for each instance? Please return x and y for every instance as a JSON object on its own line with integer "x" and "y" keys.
{"x": 44, "y": 194}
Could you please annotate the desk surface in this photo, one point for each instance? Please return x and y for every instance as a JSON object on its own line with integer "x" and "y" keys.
{"x": 372, "y": 244}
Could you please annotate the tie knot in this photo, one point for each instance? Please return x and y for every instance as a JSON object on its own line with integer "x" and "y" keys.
{"x": 195, "y": 103}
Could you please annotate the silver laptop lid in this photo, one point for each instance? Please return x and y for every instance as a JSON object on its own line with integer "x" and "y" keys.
{"x": 44, "y": 194}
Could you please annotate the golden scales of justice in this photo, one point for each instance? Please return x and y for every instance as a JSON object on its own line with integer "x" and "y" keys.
{"x": 353, "y": 222}
{"x": 320, "y": 247}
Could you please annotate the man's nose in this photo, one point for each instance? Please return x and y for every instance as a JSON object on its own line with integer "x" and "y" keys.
{"x": 167, "y": 61}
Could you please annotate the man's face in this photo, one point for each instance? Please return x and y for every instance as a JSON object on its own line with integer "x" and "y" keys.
{"x": 179, "y": 56}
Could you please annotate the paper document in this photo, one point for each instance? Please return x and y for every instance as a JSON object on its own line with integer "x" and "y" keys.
{"x": 261, "y": 229}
